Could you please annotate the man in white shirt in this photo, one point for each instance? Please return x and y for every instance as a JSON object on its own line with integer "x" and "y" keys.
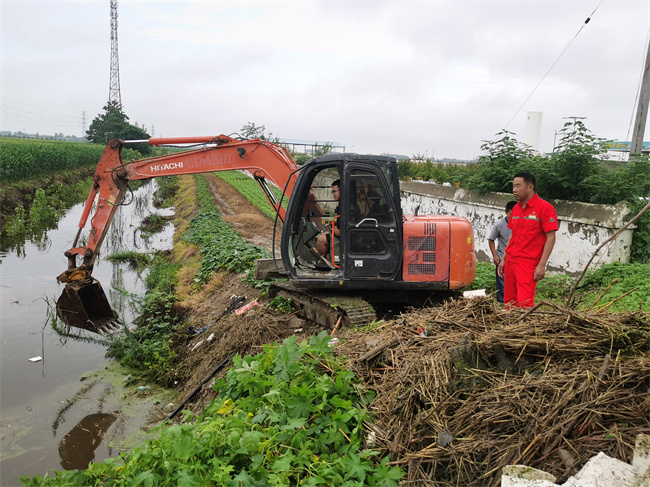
{"x": 501, "y": 234}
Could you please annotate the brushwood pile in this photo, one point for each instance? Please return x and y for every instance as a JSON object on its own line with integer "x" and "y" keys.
{"x": 469, "y": 387}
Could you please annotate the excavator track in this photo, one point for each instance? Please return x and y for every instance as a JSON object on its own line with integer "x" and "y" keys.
{"x": 325, "y": 308}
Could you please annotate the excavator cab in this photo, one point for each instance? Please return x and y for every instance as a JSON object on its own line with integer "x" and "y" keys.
{"x": 367, "y": 213}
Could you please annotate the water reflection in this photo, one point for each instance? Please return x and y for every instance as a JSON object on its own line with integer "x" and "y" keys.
{"x": 77, "y": 448}
{"x": 35, "y": 409}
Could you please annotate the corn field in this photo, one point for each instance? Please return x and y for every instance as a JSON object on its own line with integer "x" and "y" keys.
{"x": 29, "y": 158}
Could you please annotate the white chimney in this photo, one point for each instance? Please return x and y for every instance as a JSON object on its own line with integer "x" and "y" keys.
{"x": 533, "y": 129}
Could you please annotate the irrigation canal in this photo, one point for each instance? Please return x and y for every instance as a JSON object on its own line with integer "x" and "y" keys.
{"x": 50, "y": 417}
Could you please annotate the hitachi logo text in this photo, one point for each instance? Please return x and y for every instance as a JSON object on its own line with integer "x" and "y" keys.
{"x": 167, "y": 167}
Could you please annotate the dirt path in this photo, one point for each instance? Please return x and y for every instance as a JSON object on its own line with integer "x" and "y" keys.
{"x": 244, "y": 217}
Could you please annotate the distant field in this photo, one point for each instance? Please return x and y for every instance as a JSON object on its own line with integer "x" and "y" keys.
{"x": 30, "y": 158}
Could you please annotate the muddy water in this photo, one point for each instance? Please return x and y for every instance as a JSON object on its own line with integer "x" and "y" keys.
{"x": 55, "y": 413}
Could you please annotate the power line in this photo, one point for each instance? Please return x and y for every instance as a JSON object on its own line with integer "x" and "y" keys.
{"x": 553, "y": 65}
{"x": 13, "y": 114}
{"x": 39, "y": 109}
{"x": 16, "y": 112}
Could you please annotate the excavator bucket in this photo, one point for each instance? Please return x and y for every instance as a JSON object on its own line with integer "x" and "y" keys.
{"x": 84, "y": 305}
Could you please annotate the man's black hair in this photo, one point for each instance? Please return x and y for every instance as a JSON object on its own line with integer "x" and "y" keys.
{"x": 527, "y": 177}
{"x": 336, "y": 183}
{"x": 510, "y": 205}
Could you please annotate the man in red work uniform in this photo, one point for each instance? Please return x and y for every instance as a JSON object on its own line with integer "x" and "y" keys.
{"x": 533, "y": 224}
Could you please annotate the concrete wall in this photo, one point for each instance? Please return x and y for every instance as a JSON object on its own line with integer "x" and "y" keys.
{"x": 583, "y": 226}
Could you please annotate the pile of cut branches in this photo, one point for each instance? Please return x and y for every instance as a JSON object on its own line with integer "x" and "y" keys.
{"x": 487, "y": 387}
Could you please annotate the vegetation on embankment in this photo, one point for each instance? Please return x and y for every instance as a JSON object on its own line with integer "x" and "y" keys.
{"x": 291, "y": 415}
{"x": 42, "y": 178}
{"x": 31, "y": 206}
{"x": 615, "y": 287}
{"x": 220, "y": 246}
{"x": 205, "y": 245}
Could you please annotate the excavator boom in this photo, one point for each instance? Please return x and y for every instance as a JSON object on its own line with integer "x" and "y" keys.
{"x": 263, "y": 159}
{"x": 83, "y": 296}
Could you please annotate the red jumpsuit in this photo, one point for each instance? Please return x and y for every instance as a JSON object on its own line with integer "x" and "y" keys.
{"x": 524, "y": 251}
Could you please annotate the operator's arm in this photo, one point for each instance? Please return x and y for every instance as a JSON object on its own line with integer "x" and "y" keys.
{"x": 540, "y": 270}
{"x": 495, "y": 256}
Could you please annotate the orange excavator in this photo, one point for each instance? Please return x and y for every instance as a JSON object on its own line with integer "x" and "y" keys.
{"x": 378, "y": 252}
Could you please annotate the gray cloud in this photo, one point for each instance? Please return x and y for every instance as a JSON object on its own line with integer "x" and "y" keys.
{"x": 399, "y": 77}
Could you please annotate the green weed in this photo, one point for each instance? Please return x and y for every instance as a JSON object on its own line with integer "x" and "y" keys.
{"x": 137, "y": 260}
{"x": 152, "y": 224}
{"x": 282, "y": 304}
{"x": 148, "y": 345}
{"x": 624, "y": 278}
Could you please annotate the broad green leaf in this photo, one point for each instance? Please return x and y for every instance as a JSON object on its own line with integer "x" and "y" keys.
{"x": 185, "y": 479}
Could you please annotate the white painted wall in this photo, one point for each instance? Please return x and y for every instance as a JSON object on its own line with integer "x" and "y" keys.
{"x": 583, "y": 227}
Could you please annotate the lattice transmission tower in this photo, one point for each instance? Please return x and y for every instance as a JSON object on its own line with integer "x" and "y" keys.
{"x": 114, "y": 89}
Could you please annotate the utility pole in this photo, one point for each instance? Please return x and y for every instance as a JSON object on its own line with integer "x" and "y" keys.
{"x": 642, "y": 110}
{"x": 114, "y": 89}
{"x": 83, "y": 124}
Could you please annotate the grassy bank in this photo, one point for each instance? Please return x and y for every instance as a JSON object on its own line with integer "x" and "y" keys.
{"x": 615, "y": 287}
{"x": 32, "y": 206}
{"x": 205, "y": 245}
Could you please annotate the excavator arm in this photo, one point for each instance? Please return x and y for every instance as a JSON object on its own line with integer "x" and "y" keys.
{"x": 263, "y": 159}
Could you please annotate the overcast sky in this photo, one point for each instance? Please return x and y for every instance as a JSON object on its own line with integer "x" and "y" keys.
{"x": 411, "y": 77}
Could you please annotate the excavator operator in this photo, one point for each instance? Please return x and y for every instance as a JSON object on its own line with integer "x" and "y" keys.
{"x": 323, "y": 243}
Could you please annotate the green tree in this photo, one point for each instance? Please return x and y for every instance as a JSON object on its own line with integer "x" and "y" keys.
{"x": 114, "y": 123}
{"x": 252, "y": 131}
{"x": 576, "y": 165}
{"x": 503, "y": 159}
